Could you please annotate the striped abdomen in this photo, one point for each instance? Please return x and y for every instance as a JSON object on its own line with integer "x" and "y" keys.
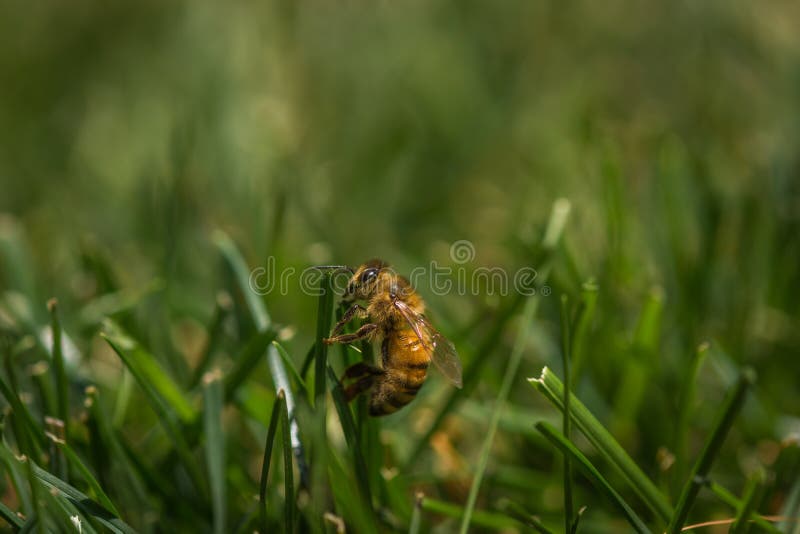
{"x": 405, "y": 365}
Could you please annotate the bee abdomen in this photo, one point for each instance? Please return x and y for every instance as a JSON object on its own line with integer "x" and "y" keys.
{"x": 395, "y": 392}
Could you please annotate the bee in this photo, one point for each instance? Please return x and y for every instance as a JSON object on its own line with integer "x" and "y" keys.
{"x": 409, "y": 343}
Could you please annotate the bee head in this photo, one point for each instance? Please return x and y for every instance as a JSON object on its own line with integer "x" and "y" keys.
{"x": 365, "y": 281}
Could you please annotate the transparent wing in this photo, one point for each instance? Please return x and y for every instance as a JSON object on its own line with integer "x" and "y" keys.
{"x": 443, "y": 352}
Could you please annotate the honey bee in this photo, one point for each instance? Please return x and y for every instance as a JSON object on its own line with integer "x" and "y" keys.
{"x": 409, "y": 343}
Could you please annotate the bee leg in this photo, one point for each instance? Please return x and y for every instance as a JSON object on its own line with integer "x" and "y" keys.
{"x": 360, "y": 369}
{"x": 359, "y": 386}
{"x": 361, "y": 333}
{"x": 355, "y": 310}
{"x": 365, "y": 375}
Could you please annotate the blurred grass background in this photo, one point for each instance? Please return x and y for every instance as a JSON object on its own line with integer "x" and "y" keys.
{"x": 334, "y": 132}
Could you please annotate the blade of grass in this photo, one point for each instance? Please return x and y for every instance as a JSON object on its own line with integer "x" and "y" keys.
{"x": 15, "y": 475}
{"x": 791, "y": 509}
{"x": 565, "y": 352}
{"x": 84, "y": 503}
{"x": 116, "y": 303}
{"x": 480, "y": 518}
{"x": 308, "y": 360}
{"x": 222, "y": 309}
{"x": 246, "y": 361}
{"x": 750, "y": 501}
{"x": 523, "y": 516}
{"x": 213, "y": 398}
{"x": 241, "y": 273}
{"x": 639, "y": 366}
{"x": 351, "y": 436}
{"x": 551, "y": 387}
{"x": 123, "y": 398}
{"x": 416, "y": 515}
{"x": 481, "y": 356}
{"x": 592, "y": 474}
{"x": 288, "y": 473}
{"x": 733, "y": 501}
{"x": 685, "y": 408}
{"x": 16, "y": 259}
{"x": 324, "y": 311}
{"x": 321, "y": 450}
{"x": 347, "y": 501}
{"x": 165, "y": 410}
{"x": 265, "y": 465}
{"x": 101, "y": 429}
{"x": 36, "y": 496}
{"x": 260, "y": 316}
{"x": 29, "y": 435}
{"x": 87, "y": 475}
{"x": 62, "y": 386}
{"x": 290, "y": 365}
{"x": 583, "y": 321}
{"x": 720, "y": 430}
{"x": 148, "y": 372}
{"x": 10, "y": 517}
{"x": 508, "y": 379}
{"x": 66, "y": 513}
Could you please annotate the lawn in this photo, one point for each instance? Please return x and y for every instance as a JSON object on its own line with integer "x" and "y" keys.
{"x": 599, "y": 204}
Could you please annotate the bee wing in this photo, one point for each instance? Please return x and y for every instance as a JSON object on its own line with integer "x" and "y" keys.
{"x": 443, "y": 352}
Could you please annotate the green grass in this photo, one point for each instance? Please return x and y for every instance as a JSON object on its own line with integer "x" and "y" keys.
{"x": 195, "y": 451}
{"x": 153, "y": 154}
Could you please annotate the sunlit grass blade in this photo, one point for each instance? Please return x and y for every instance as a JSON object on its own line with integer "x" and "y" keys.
{"x": 148, "y": 372}
{"x": 63, "y": 512}
{"x": 591, "y": 473}
{"x": 728, "y": 413}
{"x": 241, "y": 273}
{"x": 502, "y": 396}
{"x": 262, "y": 321}
{"x": 474, "y": 368}
{"x": 165, "y": 409}
{"x": 288, "y": 473}
{"x": 290, "y": 365}
{"x": 84, "y": 503}
{"x": 213, "y": 398}
{"x": 277, "y": 410}
{"x": 552, "y": 388}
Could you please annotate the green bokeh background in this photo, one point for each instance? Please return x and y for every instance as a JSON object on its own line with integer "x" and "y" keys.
{"x": 332, "y": 132}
